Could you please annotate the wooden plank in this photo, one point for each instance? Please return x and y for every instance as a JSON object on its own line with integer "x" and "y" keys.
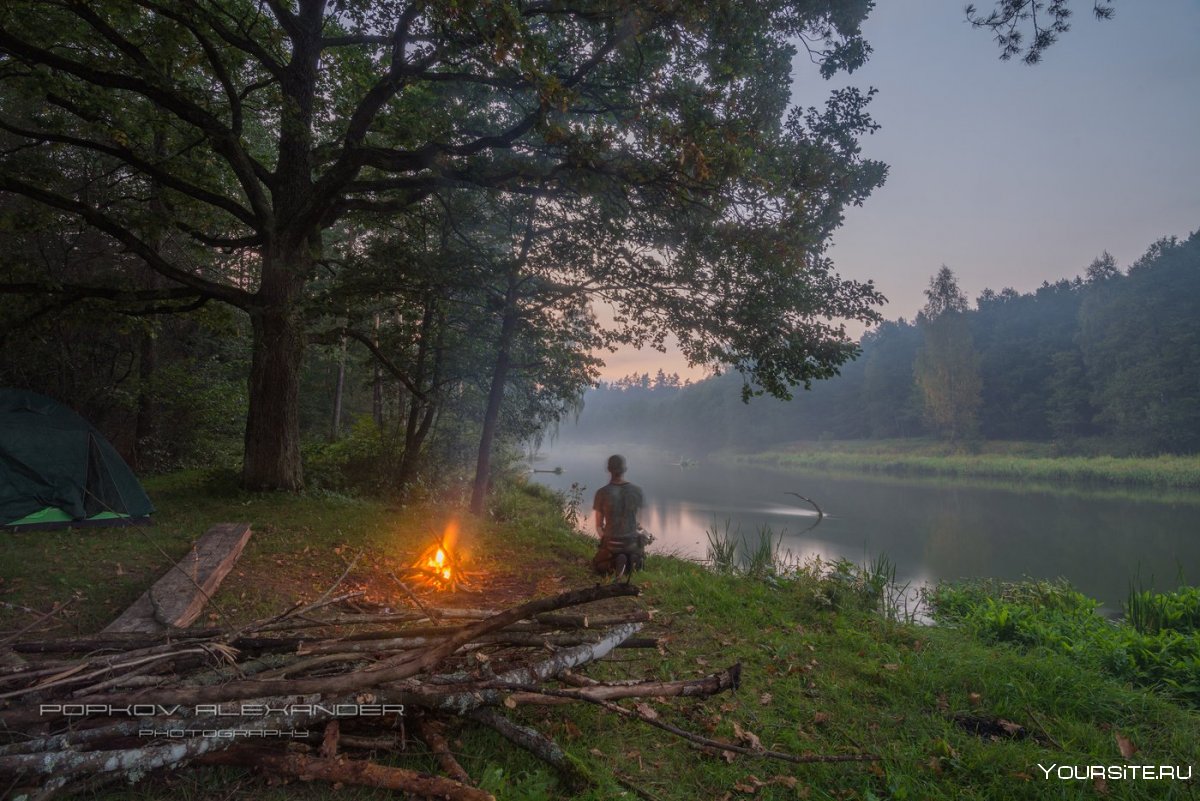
{"x": 179, "y": 597}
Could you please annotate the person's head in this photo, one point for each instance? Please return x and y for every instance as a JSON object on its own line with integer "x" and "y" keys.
{"x": 616, "y": 465}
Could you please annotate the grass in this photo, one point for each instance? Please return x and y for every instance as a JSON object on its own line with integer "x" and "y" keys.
{"x": 1017, "y": 462}
{"x": 823, "y": 672}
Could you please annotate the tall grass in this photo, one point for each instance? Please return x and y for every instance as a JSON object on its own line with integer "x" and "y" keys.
{"x": 834, "y": 583}
{"x": 730, "y": 552}
{"x": 1153, "y": 613}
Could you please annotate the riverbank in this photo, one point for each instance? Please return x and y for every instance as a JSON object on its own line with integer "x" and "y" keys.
{"x": 823, "y": 672}
{"x": 1006, "y": 461}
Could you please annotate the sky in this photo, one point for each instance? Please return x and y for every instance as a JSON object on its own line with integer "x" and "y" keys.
{"x": 1011, "y": 174}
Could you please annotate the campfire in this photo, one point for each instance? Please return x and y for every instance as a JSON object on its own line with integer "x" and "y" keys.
{"x": 440, "y": 566}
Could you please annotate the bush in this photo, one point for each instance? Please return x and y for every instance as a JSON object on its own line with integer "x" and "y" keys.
{"x": 1157, "y": 649}
{"x": 355, "y": 462}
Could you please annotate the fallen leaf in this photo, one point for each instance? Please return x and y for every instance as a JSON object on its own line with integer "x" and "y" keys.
{"x": 749, "y": 785}
{"x": 765, "y": 699}
{"x": 820, "y": 718}
{"x": 510, "y": 702}
{"x": 691, "y": 609}
{"x": 974, "y": 699}
{"x": 789, "y": 782}
{"x": 1127, "y": 748}
{"x": 595, "y": 752}
{"x": 1101, "y": 785}
{"x": 646, "y": 711}
{"x": 891, "y": 666}
{"x": 748, "y": 737}
{"x": 572, "y": 729}
{"x": 729, "y": 756}
{"x": 1012, "y": 728}
{"x": 1022, "y": 775}
{"x": 943, "y": 703}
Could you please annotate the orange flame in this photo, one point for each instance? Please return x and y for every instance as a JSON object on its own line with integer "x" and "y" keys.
{"x": 440, "y": 561}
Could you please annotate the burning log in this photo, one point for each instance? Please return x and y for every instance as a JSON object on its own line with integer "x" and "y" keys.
{"x": 441, "y": 565}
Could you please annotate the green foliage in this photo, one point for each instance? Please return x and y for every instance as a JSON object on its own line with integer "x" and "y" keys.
{"x": 357, "y": 461}
{"x": 1153, "y": 613}
{"x": 1155, "y": 647}
{"x": 521, "y": 785}
{"x": 1140, "y": 338}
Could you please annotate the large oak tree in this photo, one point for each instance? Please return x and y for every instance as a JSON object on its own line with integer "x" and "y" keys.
{"x": 256, "y": 127}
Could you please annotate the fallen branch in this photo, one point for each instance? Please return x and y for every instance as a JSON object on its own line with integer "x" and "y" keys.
{"x": 58, "y": 607}
{"x": 704, "y": 742}
{"x": 538, "y": 744}
{"x": 372, "y": 677}
{"x": 348, "y": 771}
{"x": 429, "y": 731}
{"x": 728, "y": 679}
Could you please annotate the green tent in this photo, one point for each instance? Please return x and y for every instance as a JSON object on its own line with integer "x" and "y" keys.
{"x": 56, "y": 470}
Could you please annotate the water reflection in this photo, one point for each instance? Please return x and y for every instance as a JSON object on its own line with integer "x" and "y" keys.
{"x": 931, "y": 530}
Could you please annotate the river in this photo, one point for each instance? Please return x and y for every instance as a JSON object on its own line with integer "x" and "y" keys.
{"x": 931, "y": 530}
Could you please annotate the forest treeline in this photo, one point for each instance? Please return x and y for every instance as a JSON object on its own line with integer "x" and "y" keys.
{"x": 1107, "y": 362}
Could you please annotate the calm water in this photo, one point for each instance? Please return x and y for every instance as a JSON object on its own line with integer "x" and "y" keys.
{"x": 931, "y": 530}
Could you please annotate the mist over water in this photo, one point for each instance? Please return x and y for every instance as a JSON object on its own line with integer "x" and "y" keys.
{"x": 932, "y": 530}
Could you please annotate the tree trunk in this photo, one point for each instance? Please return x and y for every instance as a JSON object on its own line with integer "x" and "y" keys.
{"x": 491, "y": 416}
{"x": 146, "y": 424}
{"x": 421, "y": 413}
{"x": 338, "y": 388}
{"x": 272, "y": 455}
{"x": 377, "y": 382}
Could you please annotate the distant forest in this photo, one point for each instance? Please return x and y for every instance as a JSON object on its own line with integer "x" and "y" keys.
{"x": 1105, "y": 362}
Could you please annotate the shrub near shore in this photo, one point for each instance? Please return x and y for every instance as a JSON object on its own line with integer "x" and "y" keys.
{"x": 1155, "y": 646}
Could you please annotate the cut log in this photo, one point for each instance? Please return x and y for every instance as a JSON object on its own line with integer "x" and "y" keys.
{"x": 178, "y": 597}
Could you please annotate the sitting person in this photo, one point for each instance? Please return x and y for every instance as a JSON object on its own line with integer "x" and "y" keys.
{"x": 622, "y": 540}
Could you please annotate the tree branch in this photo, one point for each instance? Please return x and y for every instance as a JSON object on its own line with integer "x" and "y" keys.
{"x": 225, "y": 142}
{"x": 137, "y": 162}
{"x": 99, "y": 220}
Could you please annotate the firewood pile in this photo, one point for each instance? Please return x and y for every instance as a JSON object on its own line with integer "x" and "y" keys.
{"x": 314, "y": 693}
